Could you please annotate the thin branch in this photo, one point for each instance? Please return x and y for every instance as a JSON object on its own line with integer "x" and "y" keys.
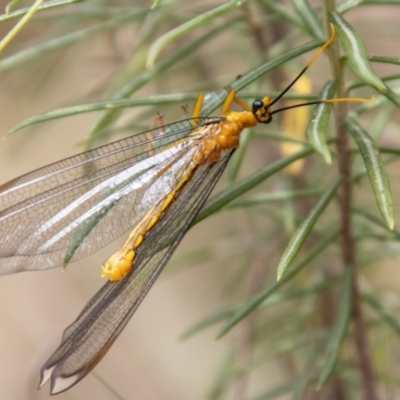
{"x": 370, "y": 386}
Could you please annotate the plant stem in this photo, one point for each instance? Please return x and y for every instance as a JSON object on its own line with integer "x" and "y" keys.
{"x": 369, "y": 383}
{"x": 21, "y": 23}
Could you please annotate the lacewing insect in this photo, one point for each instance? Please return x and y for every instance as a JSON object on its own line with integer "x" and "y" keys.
{"x": 153, "y": 183}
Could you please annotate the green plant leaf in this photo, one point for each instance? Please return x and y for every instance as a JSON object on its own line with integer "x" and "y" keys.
{"x": 339, "y": 329}
{"x": 183, "y": 29}
{"x": 13, "y": 32}
{"x": 393, "y": 96}
{"x": 284, "y": 12}
{"x": 318, "y": 122}
{"x": 384, "y": 315}
{"x": 347, "y": 5}
{"x": 119, "y": 101}
{"x": 385, "y": 251}
{"x": 311, "y": 21}
{"x": 10, "y": 5}
{"x": 350, "y": 4}
{"x": 256, "y": 300}
{"x": 156, "y": 3}
{"x": 112, "y": 104}
{"x": 380, "y": 2}
{"x": 304, "y": 377}
{"x": 223, "y": 377}
{"x": 304, "y": 229}
{"x": 238, "y": 188}
{"x": 264, "y": 198}
{"x": 277, "y": 298}
{"x": 390, "y": 150}
{"x": 217, "y": 98}
{"x": 385, "y": 59}
{"x": 237, "y": 158}
{"x": 355, "y": 51}
{"x": 117, "y": 104}
{"x": 356, "y": 85}
{"x": 106, "y": 117}
{"x": 275, "y": 392}
{"x": 37, "y": 52}
{"x": 380, "y": 121}
{"x": 208, "y": 321}
{"x": 376, "y": 170}
{"x": 376, "y": 221}
{"x": 45, "y": 6}
{"x": 390, "y": 94}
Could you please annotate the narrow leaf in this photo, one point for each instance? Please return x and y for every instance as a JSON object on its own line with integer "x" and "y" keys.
{"x": 256, "y": 300}
{"x": 310, "y": 18}
{"x": 356, "y": 52}
{"x": 277, "y": 298}
{"x": 223, "y": 377}
{"x": 37, "y": 52}
{"x": 393, "y": 96}
{"x": 183, "y": 29}
{"x": 385, "y": 251}
{"x": 256, "y": 73}
{"x": 236, "y": 160}
{"x": 380, "y": 121}
{"x": 10, "y": 5}
{"x": 376, "y": 170}
{"x": 207, "y": 322}
{"x": 385, "y": 59}
{"x": 376, "y": 221}
{"x": 283, "y": 12}
{"x": 318, "y": 122}
{"x": 304, "y": 229}
{"x": 339, "y": 329}
{"x": 275, "y": 392}
{"x": 45, "y": 6}
{"x": 304, "y": 377}
{"x": 347, "y": 5}
{"x": 20, "y": 24}
{"x": 264, "y": 198}
{"x": 106, "y": 117}
{"x": 385, "y": 316}
{"x": 238, "y": 188}
{"x": 156, "y": 3}
{"x": 111, "y": 104}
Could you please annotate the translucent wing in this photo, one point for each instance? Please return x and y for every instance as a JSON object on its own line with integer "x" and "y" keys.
{"x": 70, "y": 209}
{"x": 86, "y": 341}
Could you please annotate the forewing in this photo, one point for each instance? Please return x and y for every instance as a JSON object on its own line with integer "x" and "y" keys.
{"x": 70, "y": 209}
{"x": 86, "y": 341}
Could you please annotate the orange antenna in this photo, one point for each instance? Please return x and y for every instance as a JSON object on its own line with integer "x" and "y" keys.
{"x": 313, "y": 58}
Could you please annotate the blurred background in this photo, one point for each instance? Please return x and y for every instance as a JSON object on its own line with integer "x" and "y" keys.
{"x": 87, "y": 51}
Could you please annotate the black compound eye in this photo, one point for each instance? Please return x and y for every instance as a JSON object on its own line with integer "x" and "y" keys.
{"x": 257, "y": 104}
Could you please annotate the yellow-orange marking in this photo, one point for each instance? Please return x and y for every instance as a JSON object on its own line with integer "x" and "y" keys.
{"x": 139, "y": 241}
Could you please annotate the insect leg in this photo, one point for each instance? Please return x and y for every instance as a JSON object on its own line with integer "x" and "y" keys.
{"x": 197, "y": 108}
{"x": 242, "y": 104}
{"x": 158, "y": 120}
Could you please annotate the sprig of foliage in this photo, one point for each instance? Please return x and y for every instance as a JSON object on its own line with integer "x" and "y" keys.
{"x": 325, "y": 214}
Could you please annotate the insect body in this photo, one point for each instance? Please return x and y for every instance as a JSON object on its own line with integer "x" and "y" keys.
{"x": 69, "y": 209}
{"x": 209, "y": 143}
{"x": 174, "y": 187}
{"x": 155, "y": 182}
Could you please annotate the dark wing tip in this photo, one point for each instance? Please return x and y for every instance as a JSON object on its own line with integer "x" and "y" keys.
{"x": 59, "y": 383}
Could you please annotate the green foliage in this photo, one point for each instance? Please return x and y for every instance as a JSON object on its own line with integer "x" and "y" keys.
{"x": 176, "y": 48}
